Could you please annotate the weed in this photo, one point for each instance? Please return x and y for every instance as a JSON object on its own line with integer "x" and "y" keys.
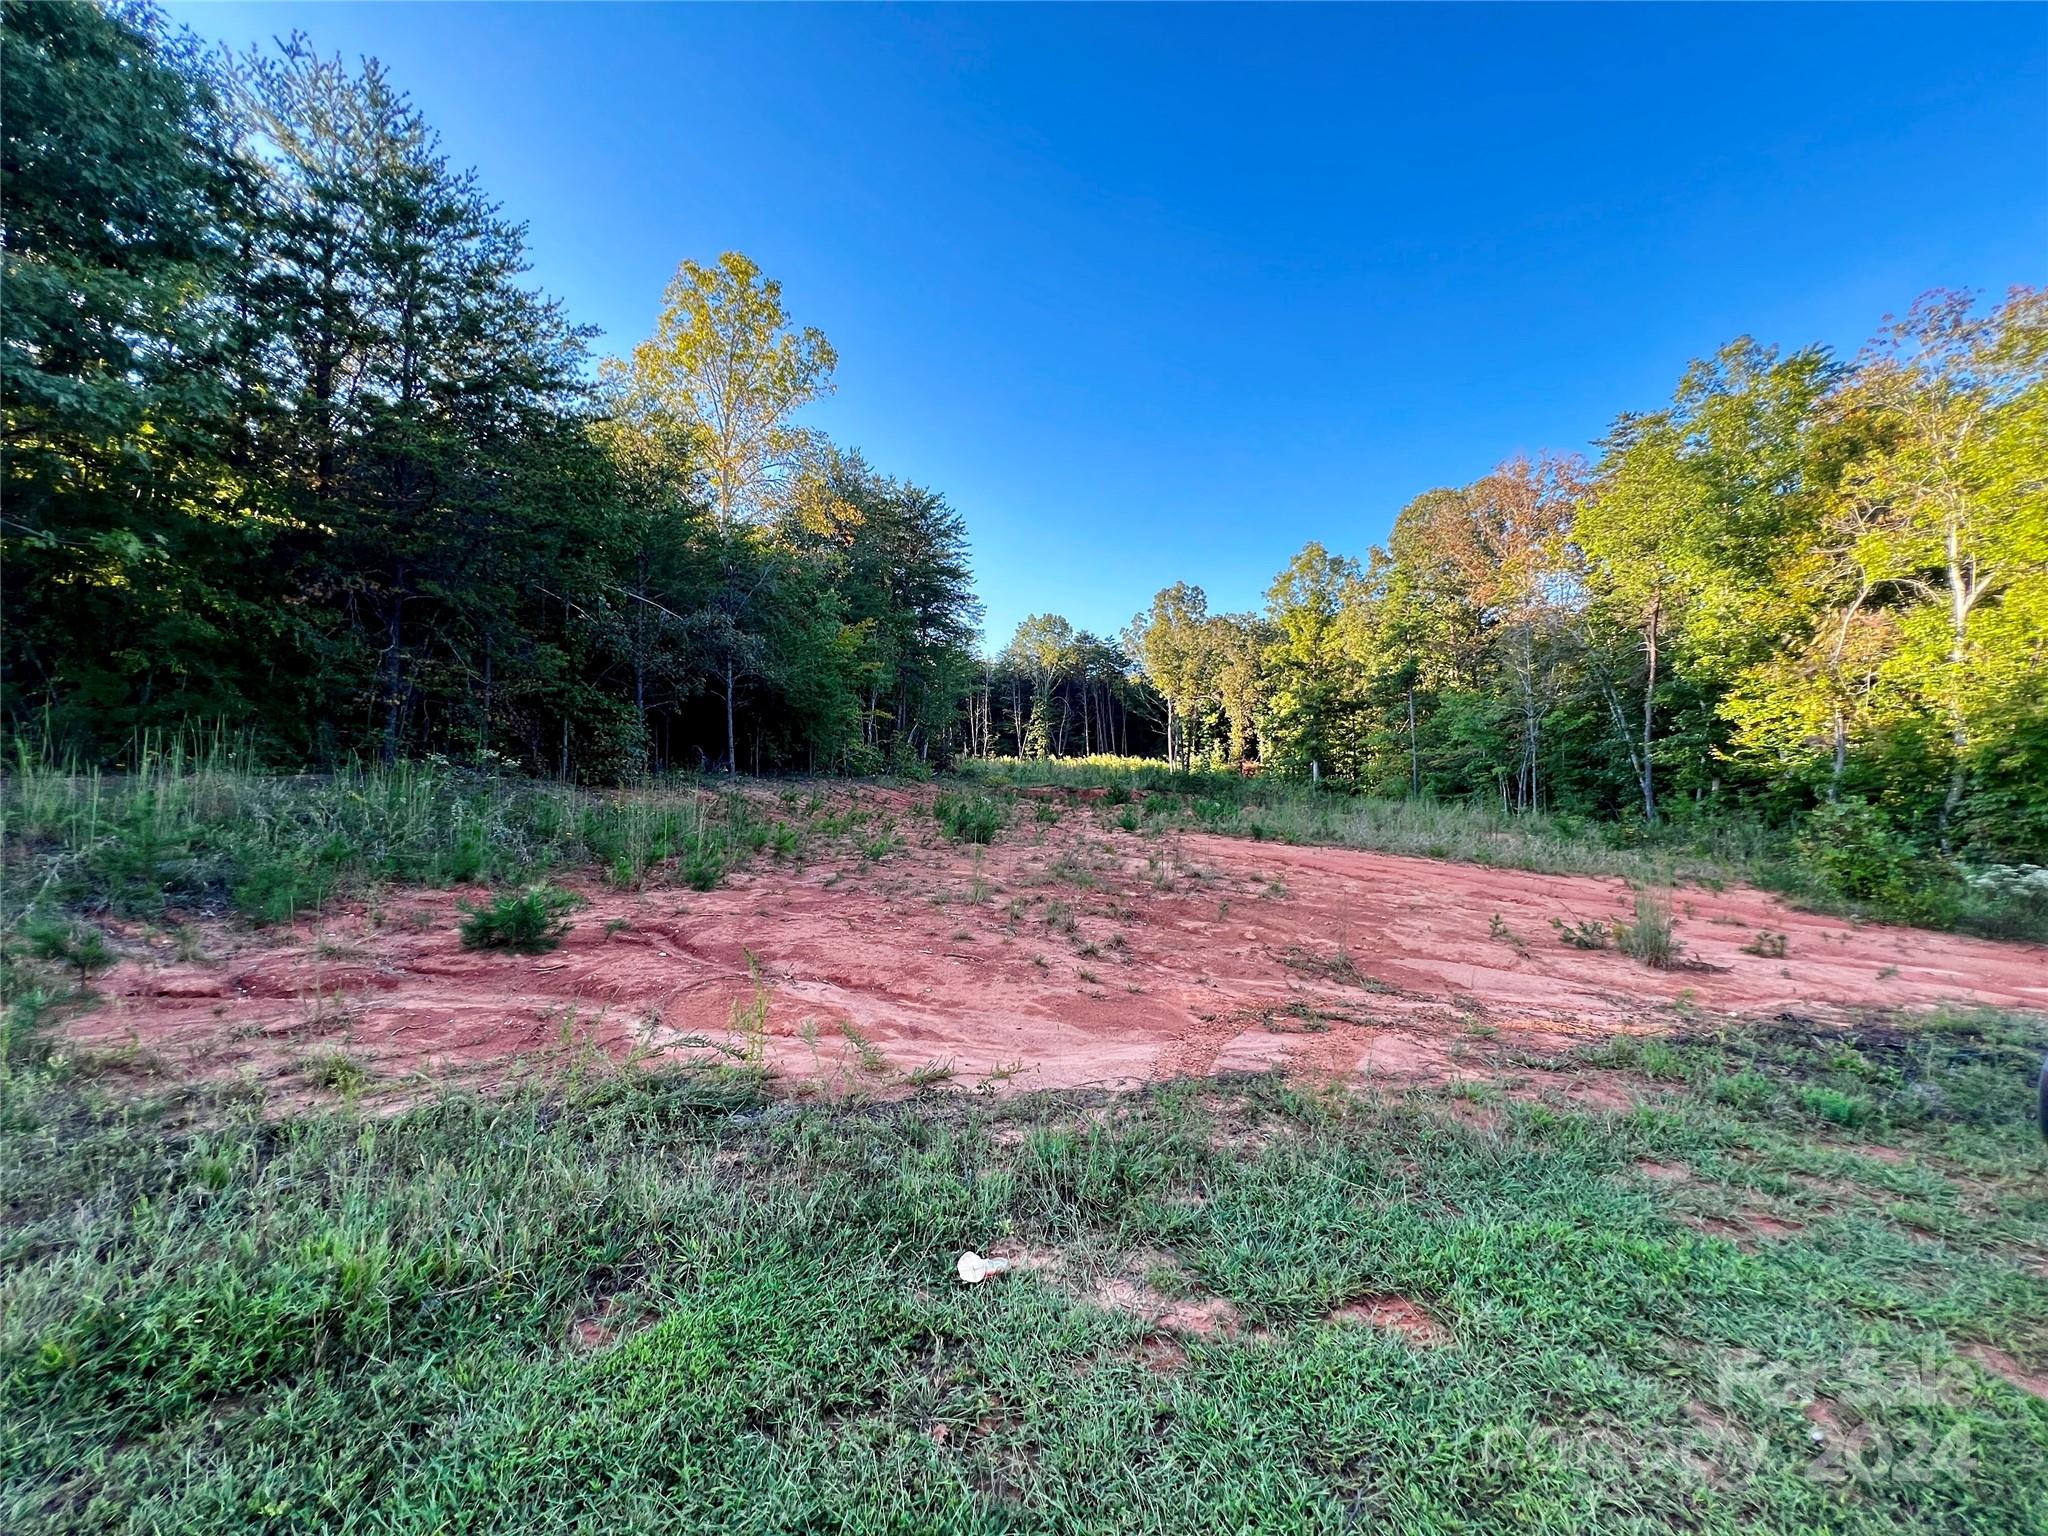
{"x": 871, "y": 1060}
{"x": 1768, "y": 945}
{"x": 1581, "y": 934}
{"x": 1070, "y": 868}
{"x": 337, "y": 1071}
{"x": 531, "y": 922}
{"x": 1834, "y": 1105}
{"x": 76, "y": 945}
{"x": 1337, "y": 966}
{"x": 967, "y": 818}
{"x": 1648, "y": 938}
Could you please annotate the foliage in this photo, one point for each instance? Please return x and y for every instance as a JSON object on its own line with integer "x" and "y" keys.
{"x": 968, "y": 818}
{"x": 75, "y": 945}
{"x": 531, "y": 921}
{"x": 292, "y": 448}
{"x": 1648, "y": 936}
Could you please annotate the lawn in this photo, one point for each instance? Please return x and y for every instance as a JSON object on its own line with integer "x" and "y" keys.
{"x": 1787, "y": 1279}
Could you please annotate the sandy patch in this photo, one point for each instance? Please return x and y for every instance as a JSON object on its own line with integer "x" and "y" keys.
{"x": 1393, "y": 1314}
{"x": 1064, "y": 955}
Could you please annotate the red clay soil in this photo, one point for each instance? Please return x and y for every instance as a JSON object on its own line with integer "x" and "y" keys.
{"x": 1061, "y": 956}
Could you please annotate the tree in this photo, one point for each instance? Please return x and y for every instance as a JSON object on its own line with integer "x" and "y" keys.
{"x": 1951, "y": 494}
{"x": 725, "y": 362}
{"x": 1174, "y": 644}
{"x": 1309, "y": 663}
{"x": 726, "y": 370}
{"x": 1689, "y": 523}
{"x": 122, "y": 566}
{"x": 1238, "y": 643}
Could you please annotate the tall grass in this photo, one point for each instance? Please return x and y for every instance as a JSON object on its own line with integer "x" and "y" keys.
{"x": 1998, "y": 902}
{"x": 199, "y": 826}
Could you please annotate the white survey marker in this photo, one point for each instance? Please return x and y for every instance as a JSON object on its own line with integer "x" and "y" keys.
{"x": 973, "y": 1268}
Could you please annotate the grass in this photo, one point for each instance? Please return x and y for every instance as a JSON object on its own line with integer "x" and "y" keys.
{"x": 968, "y": 818}
{"x": 1648, "y": 937}
{"x": 1140, "y": 793}
{"x": 196, "y": 826}
{"x": 662, "y": 1300}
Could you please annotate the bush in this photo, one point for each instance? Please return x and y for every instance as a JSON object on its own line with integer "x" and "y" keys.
{"x": 80, "y": 946}
{"x": 1649, "y": 938}
{"x": 531, "y": 922}
{"x": 968, "y": 818}
{"x": 1582, "y": 934}
{"x": 2007, "y": 901}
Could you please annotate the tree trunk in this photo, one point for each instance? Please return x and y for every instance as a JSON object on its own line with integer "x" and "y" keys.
{"x": 1650, "y": 711}
{"x": 393, "y": 676}
{"x": 1960, "y": 599}
{"x": 1841, "y": 755}
{"x": 1414, "y": 751}
{"x": 732, "y": 750}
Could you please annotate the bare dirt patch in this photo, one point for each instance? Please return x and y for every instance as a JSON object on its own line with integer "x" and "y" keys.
{"x": 2001, "y": 1364}
{"x": 1064, "y": 955}
{"x": 1747, "y": 1230}
{"x": 1393, "y": 1314}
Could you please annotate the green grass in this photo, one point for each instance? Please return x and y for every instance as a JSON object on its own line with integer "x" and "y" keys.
{"x": 200, "y": 828}
{"x": 968, "y": 818}
{"x": 1648, "y": 937}
{"x": 660, "y": 1301}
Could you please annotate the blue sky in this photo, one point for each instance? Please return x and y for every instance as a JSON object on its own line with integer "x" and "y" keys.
{"x": 1156, "y": 293}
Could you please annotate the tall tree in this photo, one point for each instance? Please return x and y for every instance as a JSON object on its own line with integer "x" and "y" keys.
{"x": 726, "y": 362}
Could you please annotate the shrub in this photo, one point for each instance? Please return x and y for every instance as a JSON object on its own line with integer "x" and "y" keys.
{"x": 531, "y": 922}
{"x": 80, "y": 946}
{"x": 1649, "y": 938}
{"x": 1744, "y": 1090}
{"x": 2007, "y": 901}
{"x": 1855, "y": 852}
{"x": 967, "y": 818}
{"x": 1585, "y": 934}
{"x": 703, "y": 862}
{"x": 1766, "y": 945}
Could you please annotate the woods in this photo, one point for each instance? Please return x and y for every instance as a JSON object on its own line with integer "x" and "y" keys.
{"x": 293, "y": 447}
{"x": 1805, "y": 583}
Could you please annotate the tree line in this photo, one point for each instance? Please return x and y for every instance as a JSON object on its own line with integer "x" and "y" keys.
{"x": 291, "y": 444}
{"x": 1805, "y": 582}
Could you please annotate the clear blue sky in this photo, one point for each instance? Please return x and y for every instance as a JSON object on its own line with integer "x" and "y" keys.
{"x": 1155, "y": 293}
